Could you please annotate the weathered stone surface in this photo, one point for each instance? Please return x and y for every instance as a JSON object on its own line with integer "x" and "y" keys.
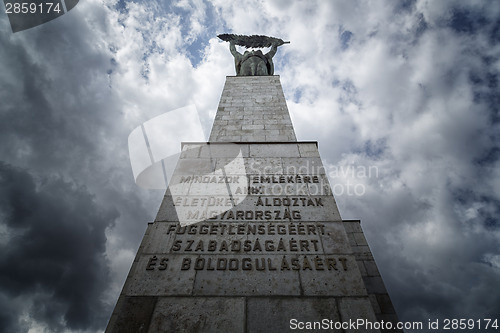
{"x": 198, "y": 314}
{"x": 276, "y": 314}
{"x": 381, "y": 303}
{"x": 308, "y": 149}
{"x": 159, "y": 241}
{"x": 360, "y": 238}
{"x": 375, "y": 304}
{"x": 333, "y": 240}
{"x": 385, "y": 304}
{"x": 192, "y": 166}
{"x": 358, "y": 308}
{"x": 308, "y": 166}
{"x": 374, "y": 284}
{"x": 273, "y": 150}
{"x": 132, "y": 314}
{"x": 362, "y": 268}
{"x": 225, "y": 150}
{"x": 264, "y": 166}
{"x": 246, "y": 104}
{"x": 344, "y": 280}
{"x": 228, "y": 282}
{"x": 167, "y": 211}
{"x": 150, "y": 278}
{"x": 371, "y": 268}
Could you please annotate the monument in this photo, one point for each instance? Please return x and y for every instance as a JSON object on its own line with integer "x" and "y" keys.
{"x": 248, "y": 237}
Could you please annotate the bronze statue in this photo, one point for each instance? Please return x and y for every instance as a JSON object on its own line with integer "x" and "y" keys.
{"x": 253, "y": 62}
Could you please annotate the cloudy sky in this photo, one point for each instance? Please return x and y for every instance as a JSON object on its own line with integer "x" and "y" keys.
{"x": 406, "y": 89}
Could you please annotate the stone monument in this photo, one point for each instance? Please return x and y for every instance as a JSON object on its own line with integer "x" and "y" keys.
{"x": 248, "y": 237}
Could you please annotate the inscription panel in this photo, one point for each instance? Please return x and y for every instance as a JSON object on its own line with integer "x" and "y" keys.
{"x": 250, "y": 274}
{"x": 251, "y": 224}
{"x": 246, "y": 258}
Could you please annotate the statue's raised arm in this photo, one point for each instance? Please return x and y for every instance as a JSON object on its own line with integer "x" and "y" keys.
{"x": 253, "y": 62}
{"x": 233, "y": 50}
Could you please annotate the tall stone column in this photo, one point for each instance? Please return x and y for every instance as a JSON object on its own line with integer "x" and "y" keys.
{"x": 248, "y": 237}
{"x": 252, "y": 109}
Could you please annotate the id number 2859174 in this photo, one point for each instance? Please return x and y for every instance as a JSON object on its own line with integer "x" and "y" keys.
{"x": 33, "y": 8}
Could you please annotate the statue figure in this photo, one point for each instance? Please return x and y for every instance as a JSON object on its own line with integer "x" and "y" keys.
{"x": 252, "y": 63}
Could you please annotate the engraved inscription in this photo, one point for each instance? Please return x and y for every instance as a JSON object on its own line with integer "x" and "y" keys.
{"x": 286, "y": 263}
{"x": 248, "y": 246}
{"x": 248, "y": 229}
{"x": 292, "y": 245}
{"x": 295, "y": 202}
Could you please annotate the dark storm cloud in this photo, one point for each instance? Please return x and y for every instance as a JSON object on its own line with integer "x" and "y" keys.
{"x": 64, "y": 176}
{"x": 450, "y": 239}
{"x": 54, "y": 255}
{"x": 49, "y": 103}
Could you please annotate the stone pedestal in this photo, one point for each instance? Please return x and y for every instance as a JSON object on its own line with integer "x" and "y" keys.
{"x": 248, "y": 237}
